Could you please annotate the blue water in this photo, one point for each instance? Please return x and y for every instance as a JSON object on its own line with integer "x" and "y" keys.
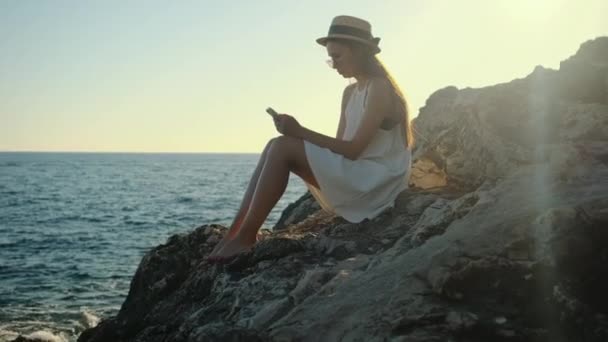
{"x": 74, "y": 226}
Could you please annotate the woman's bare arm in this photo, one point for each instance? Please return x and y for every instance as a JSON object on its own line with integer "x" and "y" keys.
{"x": 378, "y": 99}
{"x": 345, "y": 97}
{"x": 339, "y": 146}
{"x": 336, "y": 145}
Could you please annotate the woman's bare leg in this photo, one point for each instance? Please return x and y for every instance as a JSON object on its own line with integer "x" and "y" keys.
{"x": 286, "y": 154}
{"x": 245, "y": 203}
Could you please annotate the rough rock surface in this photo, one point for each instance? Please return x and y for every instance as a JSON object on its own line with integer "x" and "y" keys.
{"x": 503, "y": 236}
{"x": 297, "y": 211}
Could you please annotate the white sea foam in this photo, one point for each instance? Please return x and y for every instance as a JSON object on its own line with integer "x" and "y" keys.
{"x": 89, "y": 319}
{"x": 45, "y": 336}
{"x": 7, "y": 335}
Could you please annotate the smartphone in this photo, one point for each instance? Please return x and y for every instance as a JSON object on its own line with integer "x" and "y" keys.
{"x": 272, "y": 112}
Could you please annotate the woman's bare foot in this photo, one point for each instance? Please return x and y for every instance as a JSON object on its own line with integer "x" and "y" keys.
{"x": 218, "y": 246}
{"x": 230, "y": 234}
{"x": 234, "y": 247}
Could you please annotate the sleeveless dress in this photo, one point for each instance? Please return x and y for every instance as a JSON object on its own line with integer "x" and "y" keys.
{"x": 365, "y": 187}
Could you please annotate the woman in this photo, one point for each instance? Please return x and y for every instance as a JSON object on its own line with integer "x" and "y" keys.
{"x": 356, "y": 175}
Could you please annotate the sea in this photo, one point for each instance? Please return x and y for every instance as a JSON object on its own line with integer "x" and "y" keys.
{"x": 74, "y": 227}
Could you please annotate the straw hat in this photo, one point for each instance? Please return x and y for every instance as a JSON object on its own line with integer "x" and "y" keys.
{"x": 352, "y": 28}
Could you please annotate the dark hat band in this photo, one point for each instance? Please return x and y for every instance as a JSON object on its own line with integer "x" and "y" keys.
{"x": 351, "y": 31}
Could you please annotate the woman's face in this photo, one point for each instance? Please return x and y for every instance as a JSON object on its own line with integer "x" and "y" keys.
{"x": 341, "y": 58}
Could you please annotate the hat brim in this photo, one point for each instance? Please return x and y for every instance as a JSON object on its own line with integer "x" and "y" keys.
{"x": 323, "y": 41}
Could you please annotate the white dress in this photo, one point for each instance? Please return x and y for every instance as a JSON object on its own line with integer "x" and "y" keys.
{"x": 361, "y": 188}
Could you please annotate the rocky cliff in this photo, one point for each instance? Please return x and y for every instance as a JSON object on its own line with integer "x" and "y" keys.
{"x": 502, "y": 236}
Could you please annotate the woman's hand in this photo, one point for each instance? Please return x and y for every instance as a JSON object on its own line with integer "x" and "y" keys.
{"x": 288, "y": 125}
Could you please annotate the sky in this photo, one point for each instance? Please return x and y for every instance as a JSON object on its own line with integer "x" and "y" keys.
{"x": 196, "y": 76}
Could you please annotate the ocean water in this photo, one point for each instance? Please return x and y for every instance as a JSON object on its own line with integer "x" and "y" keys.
{"x": 74, "y": 226}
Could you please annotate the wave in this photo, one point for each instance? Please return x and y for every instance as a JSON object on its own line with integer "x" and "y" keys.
{"x": 7, "y": 335}
{"x": 46, "y": 336}
{"x": 6, "y": 245}
{"x": 41, "y": 331}
{"x": 89, "y": 319}
{"x": 58, "y": 219}
{"x": 39, "y": 335}
{"x": 131, "y": 222}
{"x": 93, "y": 219}
{"x": 185, "y": 199}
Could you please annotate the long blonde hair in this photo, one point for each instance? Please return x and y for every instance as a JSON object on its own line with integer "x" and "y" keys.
{"x": 372, "y": 66}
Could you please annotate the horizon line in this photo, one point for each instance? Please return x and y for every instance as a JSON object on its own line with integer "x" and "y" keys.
{"x": 126, "y": 152}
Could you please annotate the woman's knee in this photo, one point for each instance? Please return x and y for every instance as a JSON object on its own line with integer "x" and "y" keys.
{"x": 287, "y": 142}
{"x": 272, "y": 141}
{"x": 269, "y": 144}
{"x": 287, "y": 148}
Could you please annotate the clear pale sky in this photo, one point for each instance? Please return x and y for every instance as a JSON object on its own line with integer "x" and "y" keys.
{"x": 196, "y": 76}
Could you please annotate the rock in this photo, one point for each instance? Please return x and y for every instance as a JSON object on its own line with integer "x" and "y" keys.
{"x": 502, "y": 236}
{"x": 297, "y": 211}
{"x": 468, "y": 136}
{"x": 460, "y": 321}
{"x": 435, "y": 219}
